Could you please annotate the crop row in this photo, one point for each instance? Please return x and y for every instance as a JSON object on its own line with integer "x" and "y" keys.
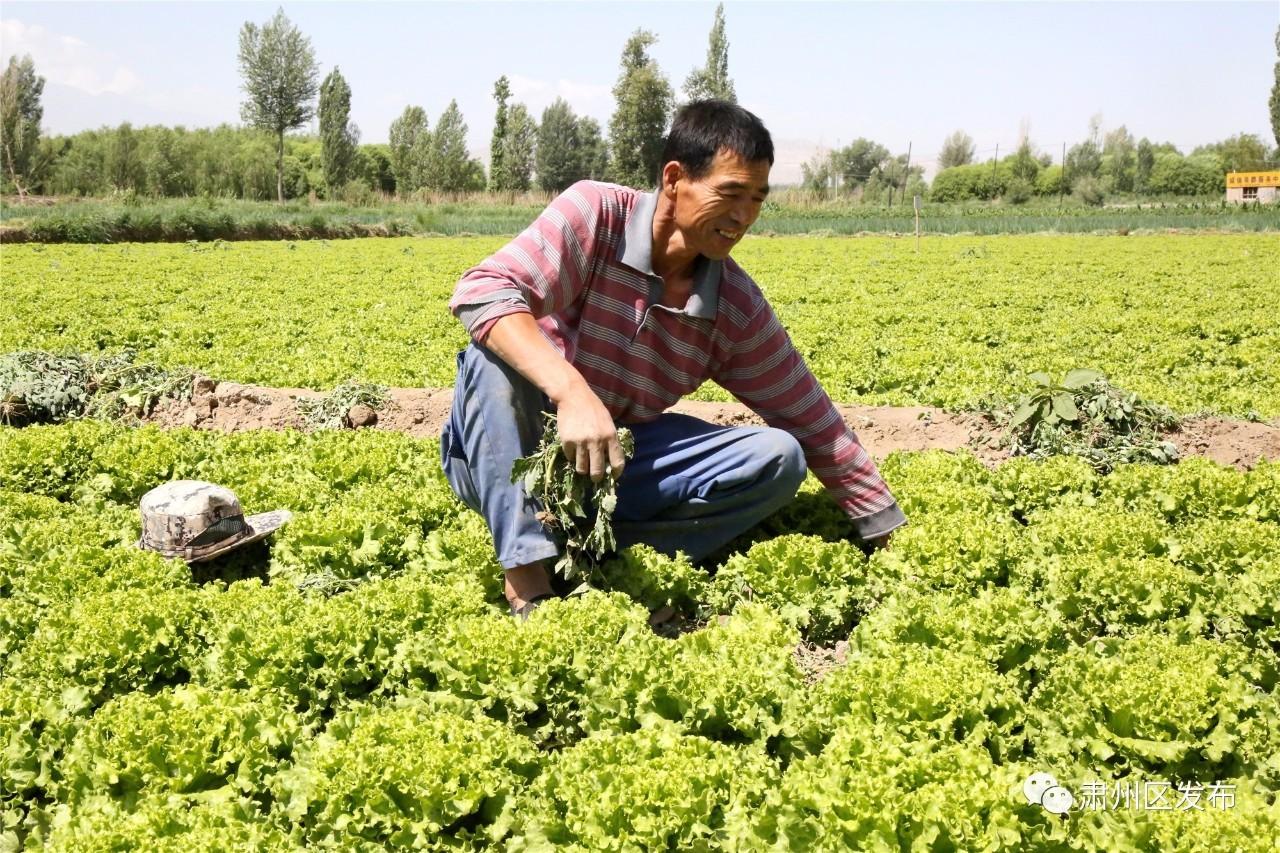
{"x": 349, "y": 683}
{"x": 1182, "y": 320}
{"x": 208, "y": 218}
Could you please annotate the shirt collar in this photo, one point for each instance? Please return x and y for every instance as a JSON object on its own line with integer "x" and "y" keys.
{"x": 636, "y": 251}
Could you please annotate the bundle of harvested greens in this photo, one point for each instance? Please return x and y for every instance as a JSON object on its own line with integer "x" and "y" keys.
{"x": 566, "y": 495}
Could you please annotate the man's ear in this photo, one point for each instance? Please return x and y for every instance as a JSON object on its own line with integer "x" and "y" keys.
{"x": 671, "y": 173}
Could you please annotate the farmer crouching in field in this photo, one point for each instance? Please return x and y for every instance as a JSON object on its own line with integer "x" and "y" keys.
{"x": 607, "y": 310}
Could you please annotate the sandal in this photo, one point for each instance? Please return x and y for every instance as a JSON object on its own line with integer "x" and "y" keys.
{"x": 522, "y": 612}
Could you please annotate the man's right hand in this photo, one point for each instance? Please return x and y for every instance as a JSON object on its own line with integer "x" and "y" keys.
{"x": 588, "y": 435}
{"x": 586, "y": 428}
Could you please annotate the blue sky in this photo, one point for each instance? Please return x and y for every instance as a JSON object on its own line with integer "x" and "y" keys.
{"x": 817, "y": 73}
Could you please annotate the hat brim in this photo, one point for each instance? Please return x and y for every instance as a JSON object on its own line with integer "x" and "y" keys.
{"x": 260, "y": 526}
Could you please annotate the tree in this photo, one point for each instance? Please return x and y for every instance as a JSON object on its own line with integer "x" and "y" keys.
{"x": 1243, "y": 152}
{"x": 1023, "y": 165}
{"x": 957, "y": 150}
{"x": 1119, "y": 159}
{"x": 474, "y": 179}
{"x": 894, "y": 175}
{"x": 569, "y": 148}
{"x": 1199, "y": 175}
{"x": 338, "y": 137}
{"x": 593, "y": 148}
{"x": 409, "y": 140}
{"x": 712, "y": 80}
{"x": 1146, "y": 160}
{"x": 448, "y": 167}
{"x": 499, "y": 176}
{"x": 818, "y": 173}
{"x": 20, "y": 115}
{"x": 857, "y": 162}
{"x": 518, "y": 153}
{"x": 559, "y": 158}
{"x": 1275, "y": 95}
{"x": 1084, "y": 160}
{"x": 123, "y": 162}
{"x": 639, "y": 121}
{"x": 280, "y": 71}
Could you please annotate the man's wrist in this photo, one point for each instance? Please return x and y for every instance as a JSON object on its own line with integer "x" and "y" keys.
{"x": 879, "y": 524}
{"x": 567, "y": 387}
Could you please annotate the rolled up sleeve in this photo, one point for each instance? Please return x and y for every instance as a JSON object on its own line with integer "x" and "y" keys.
{"x": 540, "y": 272}
{"x": 767, "y": 374}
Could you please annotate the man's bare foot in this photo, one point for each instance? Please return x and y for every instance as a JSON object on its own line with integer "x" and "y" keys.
{"x": 524, "y": 583}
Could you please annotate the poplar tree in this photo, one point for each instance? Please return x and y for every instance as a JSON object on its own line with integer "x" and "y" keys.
{"x": 410, "y": 143}
{"x": 338, "y": 137}
{"x": 712, "y": 80}
{"x": 1275, "y": 97}
{"x": 559, "y": 157}
{"x": 1120, "y": 159}
{"x": 644, "y": 100}
{"x": 593, "y": 149}
{"x": 1144, "y": 162}
{"x": 280, "y": 71}
{"x": 957, "y": 150}
{"x": 20, "y": 115}
{"x": 518, "y": 150}
{"x": 449, "y": 168}
{"x": 499, "y": 177}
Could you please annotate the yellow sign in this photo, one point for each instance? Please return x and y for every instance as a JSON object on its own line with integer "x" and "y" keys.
{"x": 1253, "y": 179}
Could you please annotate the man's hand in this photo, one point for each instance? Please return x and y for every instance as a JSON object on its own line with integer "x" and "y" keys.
{"x": 587, "y": 433}
{"x": 870, "y": 546}
{"x": 586, "y": 429}
{"x": 880, "y": 542}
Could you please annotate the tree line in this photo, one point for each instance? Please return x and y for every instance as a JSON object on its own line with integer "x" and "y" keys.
{"x": 1103, "y": 164}
{"x": 283, "y": 93}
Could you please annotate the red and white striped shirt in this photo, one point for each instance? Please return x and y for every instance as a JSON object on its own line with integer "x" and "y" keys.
{"x": 583, "y": 269}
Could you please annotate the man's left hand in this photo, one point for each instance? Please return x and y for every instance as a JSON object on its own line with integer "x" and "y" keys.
{"x": 880, "y": 542}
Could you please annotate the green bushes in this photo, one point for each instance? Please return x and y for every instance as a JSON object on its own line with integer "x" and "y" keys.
{"x": 1173, "y": 174}
{"x": 975, "y": 181}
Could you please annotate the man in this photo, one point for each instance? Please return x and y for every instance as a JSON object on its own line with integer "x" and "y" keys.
{"x": 608, "y": 309}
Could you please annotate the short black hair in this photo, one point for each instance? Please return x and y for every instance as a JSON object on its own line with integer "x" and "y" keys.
{"x": 702, "y": 128}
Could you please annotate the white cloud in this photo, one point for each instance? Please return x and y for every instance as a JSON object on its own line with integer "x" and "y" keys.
{"x": 68, "y": 60}
{"x": 585, "y": 98}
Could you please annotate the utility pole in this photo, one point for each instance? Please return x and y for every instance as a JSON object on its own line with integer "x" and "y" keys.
{"x": 994, "y": 163}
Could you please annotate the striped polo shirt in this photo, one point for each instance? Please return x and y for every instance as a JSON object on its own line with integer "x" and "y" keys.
{"x": 584, "y": 270}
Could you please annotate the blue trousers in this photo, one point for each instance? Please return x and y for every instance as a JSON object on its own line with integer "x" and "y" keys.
{"x": 691, "y": 486}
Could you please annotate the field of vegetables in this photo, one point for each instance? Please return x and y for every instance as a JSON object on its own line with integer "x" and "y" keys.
{"x": 1108, "y": 630}
{"x": 1183, "y": 320}
{"x": 354, "y": 682}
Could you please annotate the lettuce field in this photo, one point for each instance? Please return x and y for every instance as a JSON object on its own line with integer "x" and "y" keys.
{"x": 1183, "y": 320}
{"x": 1034, "y": 618}
{"x": 354, "y": 682}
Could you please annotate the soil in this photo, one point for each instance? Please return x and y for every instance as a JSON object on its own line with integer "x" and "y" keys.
{"x": 421, "y": 412}
{"x": 815, "y": 662}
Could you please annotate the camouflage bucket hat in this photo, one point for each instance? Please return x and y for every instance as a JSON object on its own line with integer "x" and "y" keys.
{"x": 198, "y": 521}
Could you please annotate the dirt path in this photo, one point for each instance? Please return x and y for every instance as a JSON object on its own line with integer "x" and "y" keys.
{"x": 420, "y": 412}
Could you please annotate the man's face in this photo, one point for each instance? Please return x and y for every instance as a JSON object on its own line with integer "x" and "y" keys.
{"x": 715, "y": 211}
